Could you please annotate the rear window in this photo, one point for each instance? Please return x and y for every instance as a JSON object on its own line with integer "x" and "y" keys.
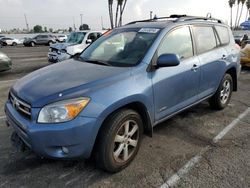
{"x": 223, "y": 34}
{"x": 205, "y": 38}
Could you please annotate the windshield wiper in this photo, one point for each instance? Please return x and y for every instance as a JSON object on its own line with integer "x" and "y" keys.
{"x": 98, "y": 62}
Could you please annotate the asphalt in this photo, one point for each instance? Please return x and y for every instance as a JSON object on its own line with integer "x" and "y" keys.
{"x": 174, "y": 143}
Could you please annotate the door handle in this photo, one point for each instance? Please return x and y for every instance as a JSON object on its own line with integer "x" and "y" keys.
{"x": 195, "y": 67}
{"x": 224, "y": 57}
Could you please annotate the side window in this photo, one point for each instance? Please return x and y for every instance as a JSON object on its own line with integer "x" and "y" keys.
{"x": 205, "y": 38}
{"x": 223, "y": 34}
{"x": 177, "y": 42}
{"x": 92, "y": 36}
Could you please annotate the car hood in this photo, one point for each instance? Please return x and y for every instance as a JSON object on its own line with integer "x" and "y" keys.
{"x": 69, "y": 79}
{"x": 61, "y": 46}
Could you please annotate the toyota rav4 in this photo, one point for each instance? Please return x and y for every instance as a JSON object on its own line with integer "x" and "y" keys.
{"x": 120, "y": 87}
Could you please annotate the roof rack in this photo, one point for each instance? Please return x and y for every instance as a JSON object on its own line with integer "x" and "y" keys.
{"x": 179, "y": 18}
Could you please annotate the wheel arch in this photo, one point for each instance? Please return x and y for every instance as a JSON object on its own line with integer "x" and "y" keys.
{"x": 233, "y": 73}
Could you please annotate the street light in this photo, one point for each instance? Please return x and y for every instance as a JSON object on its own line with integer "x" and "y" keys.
{"x": 81, "y": 18}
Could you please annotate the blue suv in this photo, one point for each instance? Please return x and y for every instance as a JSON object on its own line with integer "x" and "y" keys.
{"x": 125, "y": 83}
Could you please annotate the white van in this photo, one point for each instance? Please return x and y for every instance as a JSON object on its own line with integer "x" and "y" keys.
{"x": 77, "y": 41}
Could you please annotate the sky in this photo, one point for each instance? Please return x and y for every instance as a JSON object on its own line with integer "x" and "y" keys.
{"x": 58, "y": 14}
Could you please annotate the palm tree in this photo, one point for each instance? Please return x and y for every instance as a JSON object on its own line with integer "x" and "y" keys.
{"x": 231, "y": 4}
{"x": 122, "y": 8}
{"x": 110, "y": 3}
{"x": 243, "y": 3}
{"x": 236, "y": 19}
{"x": 248, "y": 7}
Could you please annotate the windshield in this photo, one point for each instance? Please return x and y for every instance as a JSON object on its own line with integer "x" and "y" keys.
{"x": 121, "y": 48}
{"x": 76, "y": 37}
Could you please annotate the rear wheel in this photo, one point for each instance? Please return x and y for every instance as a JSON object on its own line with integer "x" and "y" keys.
{"x": 14, "y": 44}
{"x": 119, "y": 140}
{"x": 223, "y": 95}
{"x": 32, "y": 44}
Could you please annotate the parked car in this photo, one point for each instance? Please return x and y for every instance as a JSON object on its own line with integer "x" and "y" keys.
{"x": 62, "y": 38}
{"x": 125, "y": 83}
{"x": 5, "y": 62}
{"x": 245, "y": 56}
{"x": 75, "y": 44}
{"x": 40, "y": 40}
{"x": 1, "y": 36}
{"x": 7, "y": 41}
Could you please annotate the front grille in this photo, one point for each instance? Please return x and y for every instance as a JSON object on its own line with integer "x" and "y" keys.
{"x": 21, "y": 106}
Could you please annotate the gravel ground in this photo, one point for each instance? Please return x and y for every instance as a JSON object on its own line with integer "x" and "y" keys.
{"x": 173, "y": 144}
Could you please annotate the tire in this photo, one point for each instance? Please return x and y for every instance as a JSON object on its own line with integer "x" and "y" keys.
{"x": 32, "y": 44}
{"x": 223, "y": 95}
{"x": 14, "y": 44}
{"x": 49, "y": 43}
{"x": 119, "y": 140}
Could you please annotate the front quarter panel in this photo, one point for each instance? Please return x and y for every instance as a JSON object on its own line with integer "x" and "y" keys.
{"x": 133, "y": 87}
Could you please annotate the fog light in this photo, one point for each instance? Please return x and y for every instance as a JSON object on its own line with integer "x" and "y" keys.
{"x": 65, "y": 150}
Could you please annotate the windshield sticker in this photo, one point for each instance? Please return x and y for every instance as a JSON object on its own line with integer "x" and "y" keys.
{"x": 148, "y": 30}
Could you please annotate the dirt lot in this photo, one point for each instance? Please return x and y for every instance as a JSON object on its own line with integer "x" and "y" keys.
{"x": 175, "y": 142}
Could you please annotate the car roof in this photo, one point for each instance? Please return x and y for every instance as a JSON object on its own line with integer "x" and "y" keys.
{"x": 163, "y": 22}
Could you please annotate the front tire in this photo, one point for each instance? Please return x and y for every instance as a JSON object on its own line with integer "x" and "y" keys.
{"x": 119, "y": 140}
{"x": 32, "y": 44}
{"x": 14, "y": 44}
{"x": 223, "y": 95}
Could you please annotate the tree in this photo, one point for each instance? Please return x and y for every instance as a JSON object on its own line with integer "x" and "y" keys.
{"x": 120, "y": 7}
{"x": 70, "y": 29}
{"x": 248, "y": 7}
{"x": 84, "y": 27}
{"x": 50, "y": 30}
{"x": 45, "y": 29}
{"x": 236, "y": 19}
{"x": 231, "y": 4}
{"x": 242, "y": 3}
{"x": 38, "y": 29}
{"x": 110, "y": 5}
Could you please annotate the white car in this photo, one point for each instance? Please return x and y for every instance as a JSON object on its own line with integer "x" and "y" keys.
{"x": 62, "y": 38}
{"x": 7, "y": 41}
{"x": 75, "y": 44}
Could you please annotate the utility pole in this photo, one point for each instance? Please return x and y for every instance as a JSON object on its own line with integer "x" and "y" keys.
{"x": 151, "y": 15}
{"x": 74, "y": 25}
{"x": 81, "y": 18}
{"x": 27, "y": 25}
{"x": 102, "y": 22}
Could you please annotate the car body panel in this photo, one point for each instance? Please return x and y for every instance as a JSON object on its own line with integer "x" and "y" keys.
{"x": 5, "y": 62}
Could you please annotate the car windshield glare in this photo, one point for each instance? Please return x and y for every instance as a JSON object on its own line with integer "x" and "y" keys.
{"x": 76, "y": 37}
{"x": 121, "y": 48}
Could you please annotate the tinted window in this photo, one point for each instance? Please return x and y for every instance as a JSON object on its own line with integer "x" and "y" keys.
{"x": 205, "y": 38}
{"x": 177, "y": 42}
{"x": 223, "y": 34}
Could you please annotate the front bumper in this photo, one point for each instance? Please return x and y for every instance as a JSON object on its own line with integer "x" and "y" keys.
{"x": 55, "y": 57}
{"x": 48, "y": 140}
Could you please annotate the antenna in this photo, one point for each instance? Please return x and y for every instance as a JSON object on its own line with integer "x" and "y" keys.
{"x": 27, "y": 25}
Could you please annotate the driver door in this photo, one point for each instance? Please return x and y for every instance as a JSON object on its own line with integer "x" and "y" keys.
{"x": 176, "y": 87}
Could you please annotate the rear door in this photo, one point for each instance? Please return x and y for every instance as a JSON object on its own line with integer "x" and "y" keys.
{"x": 176, "y": 87}
{"x": 212, "y": 59}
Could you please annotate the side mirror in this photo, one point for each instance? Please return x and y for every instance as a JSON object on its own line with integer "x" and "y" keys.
{"x": 168, "y": 60}
{"x": 88, "y": 41}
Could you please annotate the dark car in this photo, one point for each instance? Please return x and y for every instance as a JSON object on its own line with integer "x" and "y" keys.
{"x": 5, "y": 62}
{"x": 124, "y": 84}
{"x": 40, "y": 40}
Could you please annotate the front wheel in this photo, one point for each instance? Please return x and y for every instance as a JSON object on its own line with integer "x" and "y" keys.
{"x": 32, "y": 44}
{"x": 223, "y": 95}
{"x": 119, "y": 140}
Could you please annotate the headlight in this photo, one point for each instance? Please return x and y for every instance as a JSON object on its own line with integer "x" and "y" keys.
{"x": 62, "y": 111}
